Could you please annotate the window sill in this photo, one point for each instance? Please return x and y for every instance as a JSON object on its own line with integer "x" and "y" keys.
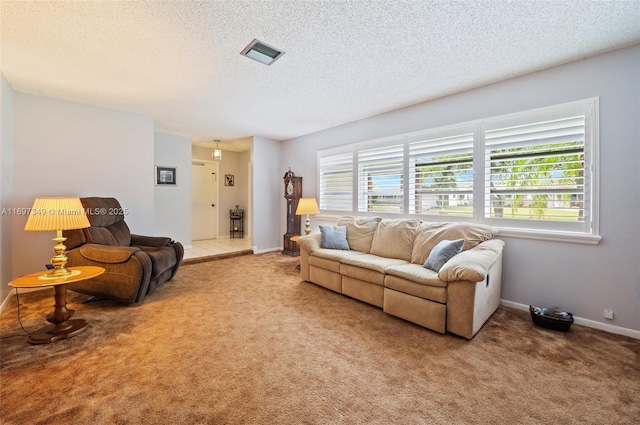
{"x": 511, "y": 232}
{"x": 569, "y": 237}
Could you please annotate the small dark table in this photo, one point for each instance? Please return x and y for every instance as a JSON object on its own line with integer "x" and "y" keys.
{"x": 236, "y": 223}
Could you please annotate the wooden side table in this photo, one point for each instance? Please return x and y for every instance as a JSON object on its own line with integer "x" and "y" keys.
{"x": 61, "y": 327}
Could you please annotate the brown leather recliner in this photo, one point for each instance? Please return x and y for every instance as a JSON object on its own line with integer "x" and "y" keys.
{"x": 134, "y": 265}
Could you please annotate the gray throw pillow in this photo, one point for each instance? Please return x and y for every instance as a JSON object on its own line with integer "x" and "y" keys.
{"x": 443, "y": 252}
{"x": 334, "y": 237}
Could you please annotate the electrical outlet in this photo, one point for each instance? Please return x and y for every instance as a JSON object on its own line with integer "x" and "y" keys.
{"x": 608, "y": 314}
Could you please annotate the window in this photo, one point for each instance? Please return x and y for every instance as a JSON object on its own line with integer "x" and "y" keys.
{"x": 442, "y": 175}
{"x": 336, "y": 180}
{"x": 533, "y": 173}
{"x": 538, "y": 169}
{"x": 380, "y": 179}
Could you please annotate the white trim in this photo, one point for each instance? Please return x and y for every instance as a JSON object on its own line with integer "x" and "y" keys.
{"x": 632, "y": 333}
{"x": 541, "y": 235}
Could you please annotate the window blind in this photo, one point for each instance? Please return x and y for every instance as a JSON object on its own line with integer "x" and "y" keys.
{"x": 380, "y": 179}
{"x": 441, "y": 175}
{"x": 336, "y": 181}
{"x": 536, "y": 171}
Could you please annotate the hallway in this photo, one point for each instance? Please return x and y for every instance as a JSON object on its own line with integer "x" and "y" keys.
{"x": 216, "y": 247}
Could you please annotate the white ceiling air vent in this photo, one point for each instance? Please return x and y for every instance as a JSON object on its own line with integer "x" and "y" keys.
{"x": 261, "y": 52}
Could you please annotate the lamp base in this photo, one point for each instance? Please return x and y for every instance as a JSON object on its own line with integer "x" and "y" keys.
{"x": 65, "y": 330}
{"x": 307, "y": 225}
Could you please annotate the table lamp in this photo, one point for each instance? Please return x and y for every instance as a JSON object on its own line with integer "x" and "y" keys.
{"x": 60, "y": 213}
{"x": 307, "y": 206}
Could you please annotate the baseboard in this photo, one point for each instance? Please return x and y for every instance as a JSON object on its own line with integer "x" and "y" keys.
{"x": 584, "y": 322}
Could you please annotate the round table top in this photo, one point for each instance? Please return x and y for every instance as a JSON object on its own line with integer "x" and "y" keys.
{"x": 34, "y": 280}
{"x": 295, "y": 238}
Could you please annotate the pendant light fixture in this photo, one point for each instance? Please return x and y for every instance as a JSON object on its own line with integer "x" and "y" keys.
{"x": 217, "y": 152}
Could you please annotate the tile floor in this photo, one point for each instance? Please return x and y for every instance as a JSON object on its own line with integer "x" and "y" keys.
{"x": 206, "y": 247}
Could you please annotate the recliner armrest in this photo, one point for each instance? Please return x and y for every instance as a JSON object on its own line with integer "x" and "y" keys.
{"x": 107, "y": 254}
{"x": 473, "y": 264}
{"x": 310, "y": 242}
{"x": 139, "y": 240}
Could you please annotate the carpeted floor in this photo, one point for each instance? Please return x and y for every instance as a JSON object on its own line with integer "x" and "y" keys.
{"x": 244, "y": 341}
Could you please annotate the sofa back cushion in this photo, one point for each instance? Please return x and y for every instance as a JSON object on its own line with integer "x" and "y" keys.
{"x": 429, "y": 234}
{"x": 360, "y": 231}
{"x": 394, "y": 238}
{"x": 117, "y": 234}
{"x": 107, "y": 222}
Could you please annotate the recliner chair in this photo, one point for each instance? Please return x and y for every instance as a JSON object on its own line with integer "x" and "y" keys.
{"x": 134, "y": 265}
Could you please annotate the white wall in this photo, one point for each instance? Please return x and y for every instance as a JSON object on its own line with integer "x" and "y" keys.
{"x": 6, "y": 184}
{"x": 69, "y": 149}
{"x": 579, "y": 278}
{"x": 267, "y": 194}
{"x": 172, "y": 204}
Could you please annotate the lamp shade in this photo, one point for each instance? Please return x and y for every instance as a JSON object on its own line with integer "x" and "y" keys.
{"x": 56, "y": 214}
{"x": 307, "y": 206}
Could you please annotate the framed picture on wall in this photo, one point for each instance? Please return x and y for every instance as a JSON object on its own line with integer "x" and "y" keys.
{"x": 228, "y": 179}
{"x": 166, "y": 176}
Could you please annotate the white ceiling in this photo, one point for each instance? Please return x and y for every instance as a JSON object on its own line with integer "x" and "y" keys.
{"x": 179, "y": 61}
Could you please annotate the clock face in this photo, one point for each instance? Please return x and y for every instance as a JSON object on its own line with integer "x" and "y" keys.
{"x": 289, "y": 187}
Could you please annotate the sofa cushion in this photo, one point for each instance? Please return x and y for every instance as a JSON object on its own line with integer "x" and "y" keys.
{"x": 443, "y": 252}
{"x": 116, "y": 234}
{"x": 334, "y": 237}
{"x": 360, "y": 231}
{"x": 416, "y": 273}
{"x": 394, "y": 238}
{"x": 429, "y": 234}
{"x": 372, "y": 262}
{"x": 330, "y": 258}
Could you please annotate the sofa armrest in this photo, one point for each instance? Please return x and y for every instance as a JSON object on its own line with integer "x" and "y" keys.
{"x": 310, "y": 242}
{"x": 157, "y": 241}
{"x": 473, "y": 264}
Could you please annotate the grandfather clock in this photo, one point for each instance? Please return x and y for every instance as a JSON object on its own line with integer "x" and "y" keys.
{"x": 292, "y": 194}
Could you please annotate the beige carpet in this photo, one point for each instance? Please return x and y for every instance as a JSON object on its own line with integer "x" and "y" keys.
{"x": 244, "y": 341}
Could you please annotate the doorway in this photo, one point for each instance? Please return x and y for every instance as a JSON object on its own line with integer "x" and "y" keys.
{"x": 204, "y": 199}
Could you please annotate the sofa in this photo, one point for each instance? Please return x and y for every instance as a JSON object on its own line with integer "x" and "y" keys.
{"x": 135, "y": 265}
{"x": 382, "y": 262}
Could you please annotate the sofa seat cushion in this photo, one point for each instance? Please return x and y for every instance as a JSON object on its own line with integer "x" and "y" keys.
{"x": 427, "y": 292}
{"x": 334, "y": 254}
{"x": 372, "y": 262}
{"x": 416, "y": 273}
{"x": 367, "y": 267}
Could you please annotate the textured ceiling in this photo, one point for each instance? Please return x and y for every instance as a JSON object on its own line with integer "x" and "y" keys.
{"x": 179, "y": 61}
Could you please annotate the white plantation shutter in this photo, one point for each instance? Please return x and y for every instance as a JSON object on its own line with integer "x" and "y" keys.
{"x": 380, "y": 179}
{"x": 336, "y": 181}
{"x": 441, "y": 175}
{"x": 536, "y": 171}
{"x": 533, "y": 173}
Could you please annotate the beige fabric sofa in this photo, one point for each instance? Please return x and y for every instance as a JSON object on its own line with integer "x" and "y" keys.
{"x": 384, "y": 267}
